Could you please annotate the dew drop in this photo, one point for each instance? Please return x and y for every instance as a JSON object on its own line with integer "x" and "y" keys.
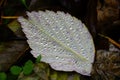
{"x": 61, "y": 28}
{"x": 68, "y": 44}
{"x": 55, "y": 49}
{"x": 42, "y": 38}
{"x": 41, "y": 43}
{"x": 71, "y": 28}
{"x": 76, "y": 62}
{"x": 82, "y": 49}
{"x": 56, "y": 32}
{"x": 62, "y": 59}
{"x": 56, "y": 21}
{"x": 46, "y": 18}
{"x": 46, "y": 44}
{"x": 53, "y": 29}
{"x": 67, "y": 38}
{"x": 57, "y": 57}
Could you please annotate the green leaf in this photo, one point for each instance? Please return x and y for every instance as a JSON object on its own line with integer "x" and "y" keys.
{"x": 3, "y": 76}
{"x": 28, "y": 67}
{"x": 15, "y": 70}
{"x": 38, "y": 59}
{"x": 24, "y": 3}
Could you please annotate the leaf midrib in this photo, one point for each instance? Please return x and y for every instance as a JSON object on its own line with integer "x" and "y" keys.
{"x": 60, "y": 43}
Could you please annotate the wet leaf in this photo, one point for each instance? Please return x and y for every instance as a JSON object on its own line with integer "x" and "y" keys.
{"x": 60, "y": 39}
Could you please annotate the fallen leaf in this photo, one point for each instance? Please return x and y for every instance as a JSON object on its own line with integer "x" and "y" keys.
{"x": 63, "y": 41}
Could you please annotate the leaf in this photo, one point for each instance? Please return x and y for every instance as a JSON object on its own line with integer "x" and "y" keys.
{"x": 63, "y": 41}
{"x": 38, "y": 59}
{"x": 15, "y": 70}
{"x": 28, "y": 67}
{"x": 24, "y": 3}
{"x": 3, "y": 76}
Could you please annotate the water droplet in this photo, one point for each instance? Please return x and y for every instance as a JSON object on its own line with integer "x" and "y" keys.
{"x": 56, "y": 21}
{"x": 62, "y": 59}
{"x": 76, "y": 62}
{"x": 55, "y": 49}
{"x": 46, "y": 44}
{"x": 61, "y": 28}
{"x": 82, "y": 49}
{"x": 57, "y": 57}
{"x": 41, "y": 43}
{"x": 42, "y": 38}
{"x": 71, "y": 28}
{"x": 56, "y": 32}
{"x": 46, "y": 18}
{"x": 67, "y": 38}
{"x": 68, "y": 44}
{"x": 53, "y": 29}
{"x": 53, "y": 17}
